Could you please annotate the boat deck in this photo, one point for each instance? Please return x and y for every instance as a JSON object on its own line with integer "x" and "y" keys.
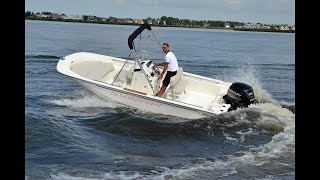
{"x": 196, "y": 99}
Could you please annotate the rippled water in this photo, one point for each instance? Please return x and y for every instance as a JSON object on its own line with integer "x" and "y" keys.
{"x": 72, "y": 134}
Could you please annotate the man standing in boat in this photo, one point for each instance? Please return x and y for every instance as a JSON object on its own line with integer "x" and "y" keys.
{"x": 170, "y": 65}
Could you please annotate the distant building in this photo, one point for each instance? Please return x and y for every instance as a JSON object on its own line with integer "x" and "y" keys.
{"x": 63, "y": 16}
{"x": 137, "y": 21}
{"x": 293, "y": 27}
{"x": 258, "y": 26}
{"x": 74, "y": 17}
{"x": 112, "y": 19}
{"x": 54, "y": 16}
{"x": 129, "y": 20}
{"x": 91, "y": 18}
{"x": 41, "y": 16}
{"x": 226, "y": 25}
{"x": 284, "y": 28}
{"x": 121, "y": 20}
{"x": 250, "y": 26}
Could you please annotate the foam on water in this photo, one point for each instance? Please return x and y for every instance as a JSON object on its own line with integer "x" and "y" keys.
{"x": 287, "y": 103}
{"x": 281, "y": 145}
{"x": 242, "y": 134}
{"x": 248, "y": 74}
{"x": 278, "y": 152}
{"x": 205, "y": 169}
{"x": 285, "y": 140}
{"x": 63, "y": 176}
{"x": 85, "y": 99}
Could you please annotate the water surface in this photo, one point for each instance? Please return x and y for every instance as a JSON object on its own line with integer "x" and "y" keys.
{"x": 72, "y": 134}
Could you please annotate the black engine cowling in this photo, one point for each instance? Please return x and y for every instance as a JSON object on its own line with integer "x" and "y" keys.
{"x": 239, "y": 95}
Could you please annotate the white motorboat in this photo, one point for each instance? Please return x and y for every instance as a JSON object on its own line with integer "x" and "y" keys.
{"x": 134, "y": 82}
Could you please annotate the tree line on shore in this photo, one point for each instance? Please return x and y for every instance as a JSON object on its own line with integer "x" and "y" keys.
{"x": 162, "y": 21}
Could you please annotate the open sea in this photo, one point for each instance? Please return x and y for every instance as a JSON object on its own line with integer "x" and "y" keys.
{"x": 71, "y": 134}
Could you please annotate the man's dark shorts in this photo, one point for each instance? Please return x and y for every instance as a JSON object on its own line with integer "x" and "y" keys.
{"x": 166, "y": 80}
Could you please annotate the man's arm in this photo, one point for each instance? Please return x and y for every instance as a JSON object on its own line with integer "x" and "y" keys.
{"x": 162, "y": 64}
{"x": 165, "y": 64}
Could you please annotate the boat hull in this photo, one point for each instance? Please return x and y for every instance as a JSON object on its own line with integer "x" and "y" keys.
{"x": 142, "y": 102}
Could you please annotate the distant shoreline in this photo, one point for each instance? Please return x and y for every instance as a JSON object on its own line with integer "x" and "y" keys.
{"x": 198, "y": 27}
{"x": 265, "y": 30}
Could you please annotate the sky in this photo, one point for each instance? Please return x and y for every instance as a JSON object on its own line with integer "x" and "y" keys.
{"x": 254, "y": 11}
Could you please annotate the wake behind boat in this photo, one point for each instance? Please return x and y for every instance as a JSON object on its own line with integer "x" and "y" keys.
{"x": 135, "y": 83}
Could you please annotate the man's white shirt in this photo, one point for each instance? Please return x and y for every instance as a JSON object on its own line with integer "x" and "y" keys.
{"x": 172, "y": 60}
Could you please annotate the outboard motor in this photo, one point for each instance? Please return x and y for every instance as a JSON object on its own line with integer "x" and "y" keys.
{"x": 239, "y": 95}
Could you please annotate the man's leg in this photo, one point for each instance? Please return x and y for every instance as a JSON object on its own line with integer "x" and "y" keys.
{"x": 162, "y": 90}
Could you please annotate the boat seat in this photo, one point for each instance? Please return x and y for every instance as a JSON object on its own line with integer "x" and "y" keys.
{"x": 94, "y": 70}
{"x": 124, "y": 76}
{"x": 177, "y": 83}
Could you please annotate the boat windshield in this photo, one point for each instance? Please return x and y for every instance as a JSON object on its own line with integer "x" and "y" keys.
{"x": 143, "y": 55}
{"x": 140, "y": 75}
